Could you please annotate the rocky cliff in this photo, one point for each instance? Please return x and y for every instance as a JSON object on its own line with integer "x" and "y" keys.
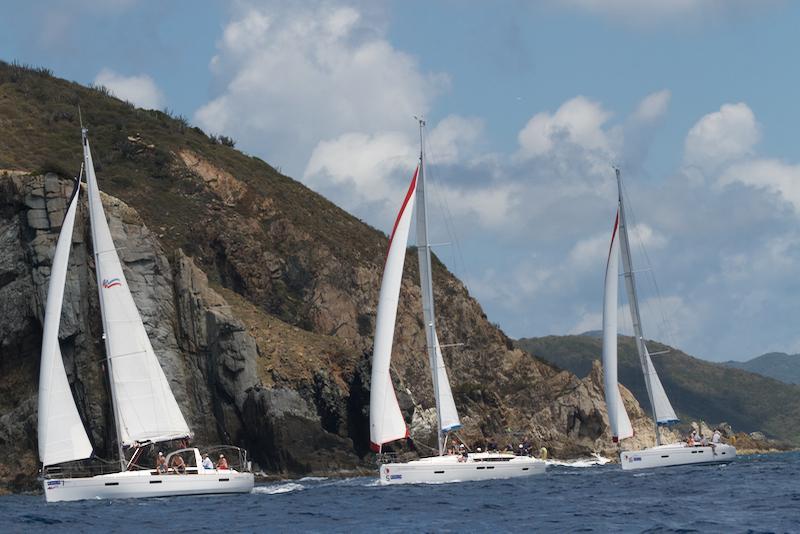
{"x": 258, "y": 294}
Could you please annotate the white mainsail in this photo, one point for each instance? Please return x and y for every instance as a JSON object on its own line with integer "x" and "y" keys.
{"x": 386, "y": 421}
{"x": 144, "y": 406}
{"x": 662, "y": 409}
{"x": 445, "y": 405}
{"x": 62, "y": 437}
{"x": 617, "y": 416}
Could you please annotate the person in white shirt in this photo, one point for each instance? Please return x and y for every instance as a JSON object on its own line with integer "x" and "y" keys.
{"x": 207, "y": 463}
{"x": 717, "y": 436}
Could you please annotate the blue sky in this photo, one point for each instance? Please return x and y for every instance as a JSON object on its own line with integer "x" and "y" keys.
{"x": 529, "y": 104}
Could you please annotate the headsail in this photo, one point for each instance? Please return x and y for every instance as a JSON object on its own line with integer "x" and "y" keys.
{"x": 617, "y": 416}
{"x": 62, "y": 437}
{"x": 144, "y": 406}
{"x": 386, "y": 422}
{"x": 445, "y": 405}
{"x": 662, "y": 409}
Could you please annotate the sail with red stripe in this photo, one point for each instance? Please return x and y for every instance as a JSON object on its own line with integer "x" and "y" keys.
{"x": 617, "y": 416}
{"x": 386, "y": 421}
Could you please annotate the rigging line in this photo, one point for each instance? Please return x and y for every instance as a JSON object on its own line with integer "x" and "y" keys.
{"x": 665, "y": 327}
{"x": 459, "y": 265}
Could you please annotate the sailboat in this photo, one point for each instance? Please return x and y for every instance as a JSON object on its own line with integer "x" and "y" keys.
{"x": 386, "y": 420}
{"x": 144, "y": 408}
{"x": 663, "y": 414}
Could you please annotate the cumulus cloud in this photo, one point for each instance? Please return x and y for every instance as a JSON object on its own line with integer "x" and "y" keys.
{"x": 578, "y": 121}
{"x": 780, "y": 179}
{"x": 139, "y": 90}
{"x": 721, "y": 137}
{"x": 292, "y": 75}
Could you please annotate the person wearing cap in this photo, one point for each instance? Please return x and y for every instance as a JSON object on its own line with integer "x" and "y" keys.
{"x": 207, "y": 463}
{"x": 161, "y": 463}
{"x": 222, "y": 463}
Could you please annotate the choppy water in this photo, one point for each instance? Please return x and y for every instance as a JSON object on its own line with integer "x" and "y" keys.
{"x": 755, "y": 493}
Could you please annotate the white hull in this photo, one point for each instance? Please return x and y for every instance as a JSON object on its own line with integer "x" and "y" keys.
{"x": 480, "y": 466}
{"x": 676, "y": 454}
{"x": 140, "y": 484}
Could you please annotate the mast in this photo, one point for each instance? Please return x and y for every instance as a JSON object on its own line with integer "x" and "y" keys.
{"x": 89, "y": 166}
{"x": 426, "y": 283}
{"x": 633, "y": 303}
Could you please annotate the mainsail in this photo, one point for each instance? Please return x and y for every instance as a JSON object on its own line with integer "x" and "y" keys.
{"x": 144, "y": 407}
{"x": 617, "y": 416}
{"x": 62, "y": 437}
{"x": 386, "y": 421}
{"x": 445, "y": 405}
{"x": 662, "y": 409}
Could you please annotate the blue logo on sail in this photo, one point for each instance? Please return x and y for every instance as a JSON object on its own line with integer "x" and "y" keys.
{"x": 108, "y": 283}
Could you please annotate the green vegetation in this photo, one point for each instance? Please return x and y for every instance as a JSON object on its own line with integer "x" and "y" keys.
{"x": 699, "y": 390}
{"x": 777, "y": 365}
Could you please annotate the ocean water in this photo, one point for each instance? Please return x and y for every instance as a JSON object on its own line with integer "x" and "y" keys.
{"x": 759, "y": 493}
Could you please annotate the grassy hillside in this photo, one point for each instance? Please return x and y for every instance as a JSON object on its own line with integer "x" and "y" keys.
{"x": 698, "y": 389}
{"x": 777, "y": 365}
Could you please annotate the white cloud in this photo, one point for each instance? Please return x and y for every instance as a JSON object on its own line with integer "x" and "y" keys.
{"x": 294, "y": 75}
{"x": 721, "y": 137}
{"x": 781, "y": 180}
{"x": 361, "y": 162}
{"x": 653, "y": 106}
{"x": 140, "y": 90}
{"x": 578, "y": 121}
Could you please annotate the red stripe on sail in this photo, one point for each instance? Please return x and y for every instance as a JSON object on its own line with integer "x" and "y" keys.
{"x": 613, "y": 237}
{"x": 409, "y": 194}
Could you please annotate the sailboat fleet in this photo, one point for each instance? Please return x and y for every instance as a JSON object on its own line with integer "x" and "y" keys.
{"x": 146, "y": 413}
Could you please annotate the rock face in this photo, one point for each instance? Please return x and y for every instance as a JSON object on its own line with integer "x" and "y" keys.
{"x": 258, "y": 295}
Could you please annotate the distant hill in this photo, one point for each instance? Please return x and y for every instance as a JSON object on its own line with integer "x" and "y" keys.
{"x": 698, "y": 389}
{"x": 777, "y": 365}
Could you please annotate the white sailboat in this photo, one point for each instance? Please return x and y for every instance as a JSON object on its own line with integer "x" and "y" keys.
{"x": 386, "y": 420}
{"x": 663, "y": 414}
{"x": 145, "y": 410}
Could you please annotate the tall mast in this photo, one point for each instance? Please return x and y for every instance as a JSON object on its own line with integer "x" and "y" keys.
{"x": 633, "y": 302}
{"x": 426, "y": 283}
{"x": 92, "y": 183}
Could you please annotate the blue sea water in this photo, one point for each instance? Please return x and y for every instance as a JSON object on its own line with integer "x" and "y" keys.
{"x": 759, "y": 493}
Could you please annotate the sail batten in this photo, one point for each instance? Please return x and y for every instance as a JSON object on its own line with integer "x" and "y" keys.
{"x": 144, "y": 407}
{"x": 61, "y": 435}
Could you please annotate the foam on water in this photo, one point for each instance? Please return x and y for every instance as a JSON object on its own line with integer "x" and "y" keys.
{"x": 276, "y": 489}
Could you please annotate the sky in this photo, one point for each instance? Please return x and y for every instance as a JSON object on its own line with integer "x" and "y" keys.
{"x": 528, "y": 106}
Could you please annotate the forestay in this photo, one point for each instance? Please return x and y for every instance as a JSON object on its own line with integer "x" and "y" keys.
{"x": 144, "y": 407}
{"x": 386, "y": 420}
{"x": 617, "y": 416}
{"x": 62, "y": 437}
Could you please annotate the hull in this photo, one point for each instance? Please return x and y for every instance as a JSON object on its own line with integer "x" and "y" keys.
{"x": 676, "y": 454}
{"x": 140, "y": 484}
{"x": 481, "y": 466}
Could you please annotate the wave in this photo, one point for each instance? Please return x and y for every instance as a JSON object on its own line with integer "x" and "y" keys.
{"x": 596, "y": 459}
{"x": 277, "y": 489}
